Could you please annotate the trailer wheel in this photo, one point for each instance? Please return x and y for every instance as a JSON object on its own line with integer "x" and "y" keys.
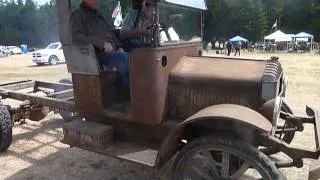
{"x": 215, "y": 157}
{"x": 5, "y": 129}
{"x": 66, "y": 115}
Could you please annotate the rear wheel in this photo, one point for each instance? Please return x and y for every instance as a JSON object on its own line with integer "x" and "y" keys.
{"x": 5, "y": 129}
{"x": 53, "y": 60}
{"x": 215, "y": 157}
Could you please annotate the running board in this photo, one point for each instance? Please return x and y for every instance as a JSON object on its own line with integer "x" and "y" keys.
{"x": 98, "y": 138}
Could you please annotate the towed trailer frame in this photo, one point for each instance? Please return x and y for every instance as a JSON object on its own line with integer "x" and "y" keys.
{"x": 57, "y": 97}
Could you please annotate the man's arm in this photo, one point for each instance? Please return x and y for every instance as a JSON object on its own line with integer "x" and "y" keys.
{"x": 78, "y": 33}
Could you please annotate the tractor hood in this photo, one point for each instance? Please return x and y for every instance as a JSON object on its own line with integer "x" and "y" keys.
{"x": 198, "y": 82}
{"x": 219, "y": 71}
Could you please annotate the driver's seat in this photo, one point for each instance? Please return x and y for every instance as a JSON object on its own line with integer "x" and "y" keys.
{"x": 94, "y": 88}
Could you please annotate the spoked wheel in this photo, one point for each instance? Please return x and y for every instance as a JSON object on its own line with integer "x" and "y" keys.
{"x": 221, "y": 158}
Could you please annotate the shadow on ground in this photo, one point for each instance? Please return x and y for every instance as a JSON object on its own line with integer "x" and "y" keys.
{"x": 44, "y": 65}
{"x": 38, "y": 145}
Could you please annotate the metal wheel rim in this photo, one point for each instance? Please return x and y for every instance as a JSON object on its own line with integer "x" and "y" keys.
{"x": 223, "y": 171}
{"x": 54, "y": 60}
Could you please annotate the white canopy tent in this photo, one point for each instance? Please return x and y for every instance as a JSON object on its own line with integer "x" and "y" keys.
{"x": 279, "y": 36}
{"x": 198, "y": 4}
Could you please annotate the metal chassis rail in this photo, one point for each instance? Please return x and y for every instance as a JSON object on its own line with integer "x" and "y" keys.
{"x": 60, "y": 100}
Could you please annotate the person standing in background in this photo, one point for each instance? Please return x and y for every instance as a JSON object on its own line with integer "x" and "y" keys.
{"x": 237, "y": 47}
{"x": 229, "y": 47}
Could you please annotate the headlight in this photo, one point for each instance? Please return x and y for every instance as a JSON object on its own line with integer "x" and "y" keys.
{"x": 271, "y": 110}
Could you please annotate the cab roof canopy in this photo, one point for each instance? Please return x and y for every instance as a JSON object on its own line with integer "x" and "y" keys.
{"x": 197, "y": 4}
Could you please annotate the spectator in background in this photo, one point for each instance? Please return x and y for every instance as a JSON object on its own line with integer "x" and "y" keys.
{"x": 237, "y": 47}
{"x": 229, "y": 47}
{"x": 209, "y": 47}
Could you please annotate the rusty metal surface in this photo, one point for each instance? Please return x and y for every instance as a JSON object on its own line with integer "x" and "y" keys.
{"x": 127, "y": 151}
{"x": 94, "y": 93}
{"x": 99, "y": 138}
{"x": 65, "y": 94}
{"x": 219, "y": 71}
{"x": 39, "y": 112}
{"x": 87, "y": 134}
{"x": 45, "y": 101}
{"x": 40, "y": 84}
{"x": 236, "y": 113}
{"x": 315, "y": 114}
{"x": 8, "y": 91}
{"x": 296, "y": 154}
{"x": 149, "y": 72}
{"x": 227, "y": 112}
{"x": 185, "y": 100}
{"x": 18, "y": 85}
{"x": 198, "y": 82}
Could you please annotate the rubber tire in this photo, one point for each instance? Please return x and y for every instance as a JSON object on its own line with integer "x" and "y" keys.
{"x": 288, "y": 137}
{"x": 245, "y": 150}
{"x": 50, "y": 61}
{"x": 66, "y": 115}
{"x": 5, "y": 129}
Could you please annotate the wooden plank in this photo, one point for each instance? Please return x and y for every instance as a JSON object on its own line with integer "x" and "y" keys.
{"x": 16, "y": 82}
{"x": 45, "y": 101}
{"x": 18, "y": 85}
{"x": 48, "y": 85}
{"x": 93, "y": 93}
{"x": 69, "y": 99}
{"x": 64, "y": 12}
{"x": 130, "y": 152}
{"x": 81, "y": 59}
{"x": 64, "y": 94}
{"x": 87, "y": 134}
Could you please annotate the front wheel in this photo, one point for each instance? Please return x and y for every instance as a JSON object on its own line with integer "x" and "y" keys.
{"x": 53, "y": 60}
{"x": 214, "y": 157}
{"x": 5, "y": 129}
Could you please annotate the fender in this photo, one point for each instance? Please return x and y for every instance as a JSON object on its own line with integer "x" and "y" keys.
{"x": 233, "y": 114}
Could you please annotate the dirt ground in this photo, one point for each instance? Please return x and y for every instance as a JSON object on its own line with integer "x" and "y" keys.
{"x": 36, "y": 152}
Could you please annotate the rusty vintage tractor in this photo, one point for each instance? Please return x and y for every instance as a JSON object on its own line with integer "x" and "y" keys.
{"x": 215, "y": 117}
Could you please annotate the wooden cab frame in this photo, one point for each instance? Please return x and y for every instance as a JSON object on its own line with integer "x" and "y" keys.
{"x": 94, "y": 89}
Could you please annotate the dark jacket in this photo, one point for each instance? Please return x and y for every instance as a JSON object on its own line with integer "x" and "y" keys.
{"x": 89, "y": 27}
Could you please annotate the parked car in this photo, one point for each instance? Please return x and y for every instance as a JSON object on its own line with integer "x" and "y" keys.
{"x": 52, "y": 54}
{"x": 4, "y": 51}
{"x": 14, "y": 50}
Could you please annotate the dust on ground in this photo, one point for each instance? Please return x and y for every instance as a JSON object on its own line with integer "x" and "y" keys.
{"x": 36, "y": 152}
